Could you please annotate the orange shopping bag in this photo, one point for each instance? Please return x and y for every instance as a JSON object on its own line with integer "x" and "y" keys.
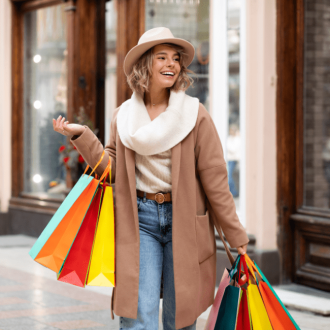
{"x": 57, "y": 247}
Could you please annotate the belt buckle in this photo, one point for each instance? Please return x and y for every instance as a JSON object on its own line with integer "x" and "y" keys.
{"x": 160, "y": 198}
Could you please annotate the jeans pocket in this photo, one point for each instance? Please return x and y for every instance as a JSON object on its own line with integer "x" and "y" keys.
{"x": 139, "y": 202}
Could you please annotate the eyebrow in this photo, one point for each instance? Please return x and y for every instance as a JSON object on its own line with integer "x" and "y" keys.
{"x": 164, "y": 53}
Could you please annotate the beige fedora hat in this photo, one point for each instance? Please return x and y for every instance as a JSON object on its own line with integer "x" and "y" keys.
{"x": 152, "y": 38}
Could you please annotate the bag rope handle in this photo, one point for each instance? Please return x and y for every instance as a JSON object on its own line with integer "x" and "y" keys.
{"x": 97, "y": 164}
{"x": 229, "y": 255}
{"x": 106, "y": 172}
{"x": 242, "y": 261}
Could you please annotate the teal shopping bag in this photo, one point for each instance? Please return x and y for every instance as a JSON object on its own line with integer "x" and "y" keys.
{"x": 227, "y": 315}
{"x": 74, "y": 194}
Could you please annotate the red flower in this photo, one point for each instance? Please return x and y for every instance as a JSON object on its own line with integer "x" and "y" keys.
{"x": 66, "y": 159}
{"x": 81, "y": 159}
{"x": 62, "y": 148}
{"x": 74, "y": 147}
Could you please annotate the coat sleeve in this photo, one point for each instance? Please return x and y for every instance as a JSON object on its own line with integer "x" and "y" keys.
{"x": 91, "y": 149}
{"x": 211, "y": 167}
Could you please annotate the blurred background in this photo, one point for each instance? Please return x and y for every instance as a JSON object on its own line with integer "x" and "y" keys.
{"x": 262, "y": 70}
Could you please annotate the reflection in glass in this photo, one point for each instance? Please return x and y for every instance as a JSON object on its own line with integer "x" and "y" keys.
{"x": 233, "y": 142}
{"x": 316, "y": 106}
{"x": 45, "y": 96}
{"x": 188, "y": 20}
{"x": 111, "y": 64}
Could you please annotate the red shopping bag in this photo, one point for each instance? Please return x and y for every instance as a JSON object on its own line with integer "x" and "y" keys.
{"x": 75, "y": 268}
{"x": 243, "y": 317}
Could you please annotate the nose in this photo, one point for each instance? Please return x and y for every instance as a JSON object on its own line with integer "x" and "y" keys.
{"x": 170, "y": 62}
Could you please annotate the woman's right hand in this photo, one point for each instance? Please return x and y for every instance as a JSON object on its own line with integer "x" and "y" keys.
{"x": 63, "y": 127}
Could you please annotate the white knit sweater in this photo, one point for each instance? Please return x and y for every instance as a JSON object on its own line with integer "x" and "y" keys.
{"x": 152, "y": 141}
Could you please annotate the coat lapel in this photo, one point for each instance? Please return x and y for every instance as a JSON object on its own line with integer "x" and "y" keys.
{"x": 130, "y": 166}
{"x": 176, "y": 159}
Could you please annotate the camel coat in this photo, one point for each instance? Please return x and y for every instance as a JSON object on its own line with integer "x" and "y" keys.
{"x": 201, "y": 201}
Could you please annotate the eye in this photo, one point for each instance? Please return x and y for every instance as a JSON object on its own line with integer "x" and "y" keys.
{"x": 161, "y": 58}
{"x": 177, "y": 59}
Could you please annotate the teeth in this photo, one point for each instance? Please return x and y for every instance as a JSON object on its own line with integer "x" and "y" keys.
{"x": 168, "y": 73}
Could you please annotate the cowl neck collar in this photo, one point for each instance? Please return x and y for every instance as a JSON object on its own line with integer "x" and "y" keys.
{"x": 146, "y": 137}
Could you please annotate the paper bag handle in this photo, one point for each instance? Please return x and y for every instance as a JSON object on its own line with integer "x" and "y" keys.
{"x": 97, "y": 164}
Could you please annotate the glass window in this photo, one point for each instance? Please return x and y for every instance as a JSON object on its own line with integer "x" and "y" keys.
{"x": 317, "y": 106}
{"x": 233, "y": 143}
{"x": 45, "y": 96}
{"x": 111, "y": 65}
{"x": 189, "y": 20}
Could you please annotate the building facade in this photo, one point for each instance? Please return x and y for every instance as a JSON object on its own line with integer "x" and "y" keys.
{"x": 260, "y": 69}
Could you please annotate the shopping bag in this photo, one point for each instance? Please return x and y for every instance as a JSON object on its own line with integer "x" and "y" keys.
{"x": 227, "y": 315}
{"x": 75, "y": 267}
{"x": 74, "y": 194}
{"x": 56, "y": 248}
{"x": 243, "y": 317}
{"x": 259, "y": 316}
{"x": 278, "y": 314}
{"x": 258, "y": 313}
{"x": 72, "y": 197}
{"x": 102, "y": 265}
{"x": 212, "y": 318}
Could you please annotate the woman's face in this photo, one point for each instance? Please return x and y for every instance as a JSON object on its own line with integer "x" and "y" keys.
{"x": 165, "y": 67}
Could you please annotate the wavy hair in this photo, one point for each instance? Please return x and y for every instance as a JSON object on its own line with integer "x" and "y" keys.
{"x": 139, "y": 78}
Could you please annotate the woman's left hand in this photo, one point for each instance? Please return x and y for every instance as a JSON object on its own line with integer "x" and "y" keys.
{"x": 242, "y": 249}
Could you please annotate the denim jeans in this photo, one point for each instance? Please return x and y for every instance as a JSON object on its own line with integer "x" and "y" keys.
{"x": 156, "y": 257}
{"x": 231, "y": 182}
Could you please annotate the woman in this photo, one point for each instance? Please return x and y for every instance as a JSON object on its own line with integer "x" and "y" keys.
{"x": 171, "y": 189}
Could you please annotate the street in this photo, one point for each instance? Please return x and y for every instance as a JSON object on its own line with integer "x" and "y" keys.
{"x": 31, "y": 298}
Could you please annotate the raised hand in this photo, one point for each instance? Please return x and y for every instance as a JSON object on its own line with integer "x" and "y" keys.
{"x": 63, "y": 127}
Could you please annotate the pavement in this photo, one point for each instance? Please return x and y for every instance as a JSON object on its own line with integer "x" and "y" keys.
{"x": 32, "y": 299}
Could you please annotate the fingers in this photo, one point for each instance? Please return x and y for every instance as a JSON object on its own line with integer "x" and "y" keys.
{"x": 60, "y": 125}
{"x": 241, "y": 250}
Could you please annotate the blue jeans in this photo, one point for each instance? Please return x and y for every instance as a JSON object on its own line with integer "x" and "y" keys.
{"x": 156, "y": 257}
{"x": 231, "y": 182}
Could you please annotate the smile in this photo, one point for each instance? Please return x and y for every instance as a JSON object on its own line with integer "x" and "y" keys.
{"x": 168, "y": 73}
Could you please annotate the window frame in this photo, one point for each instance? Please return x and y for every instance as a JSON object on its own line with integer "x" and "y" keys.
{"x": 81, "y": 16}
{"x": 86, "y": 31}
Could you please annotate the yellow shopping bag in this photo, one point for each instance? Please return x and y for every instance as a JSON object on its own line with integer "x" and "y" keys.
{"x": 102, "y": 264}
{"x": 258, "y": 313}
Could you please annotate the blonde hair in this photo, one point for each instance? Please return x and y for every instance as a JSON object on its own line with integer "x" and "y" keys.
{"x": 139, "y": 78}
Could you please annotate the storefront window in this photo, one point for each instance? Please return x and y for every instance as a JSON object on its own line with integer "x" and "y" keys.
{"x": 188, "y": 20}
{"x": 45, "y": 96}
{"x": 111, "y": 64}
{"x": 317, "y": 106}
{"x": 233, "y": 145}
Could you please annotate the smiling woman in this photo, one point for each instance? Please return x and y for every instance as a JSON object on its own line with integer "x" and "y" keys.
{"x": 142, "y": 71}
{"x": 163, "y": 146}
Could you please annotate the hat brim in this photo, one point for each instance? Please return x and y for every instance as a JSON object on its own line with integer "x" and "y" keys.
{"x": 136, "y": 52}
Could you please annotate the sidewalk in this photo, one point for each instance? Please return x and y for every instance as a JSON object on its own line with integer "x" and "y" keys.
{"x": 32, "y": 299}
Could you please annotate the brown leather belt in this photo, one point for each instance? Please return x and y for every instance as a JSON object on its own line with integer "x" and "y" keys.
{"x": 160, "y": 198}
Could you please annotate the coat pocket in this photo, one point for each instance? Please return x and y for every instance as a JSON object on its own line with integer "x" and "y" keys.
{"x": 205, "y": 237}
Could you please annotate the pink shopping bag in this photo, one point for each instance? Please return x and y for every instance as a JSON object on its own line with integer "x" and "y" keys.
{"x": 212, "y": 319}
